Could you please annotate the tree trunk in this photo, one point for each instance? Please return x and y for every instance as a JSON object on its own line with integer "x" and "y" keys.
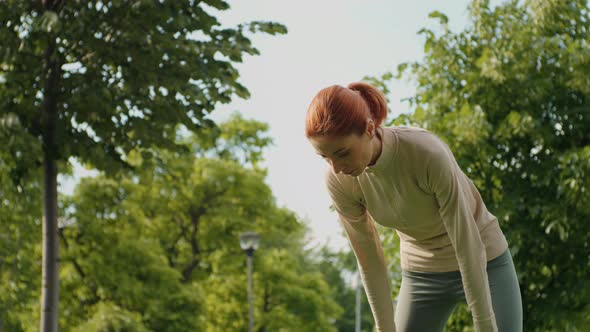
{"x": 50, "y": 281}
{"x": 50, "y": 288}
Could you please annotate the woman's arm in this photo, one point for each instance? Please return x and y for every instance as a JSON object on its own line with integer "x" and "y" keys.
{"x": 454, "y": 194}
{"x": 367, "y": 248}
{"x": 366, "y": 244}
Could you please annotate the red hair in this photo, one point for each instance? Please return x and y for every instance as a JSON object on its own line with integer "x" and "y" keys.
{"x": 340, "y": 111}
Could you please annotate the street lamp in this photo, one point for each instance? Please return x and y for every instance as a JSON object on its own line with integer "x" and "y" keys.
{"x": 249, "y": 242}
{"x": 358, "y": 301}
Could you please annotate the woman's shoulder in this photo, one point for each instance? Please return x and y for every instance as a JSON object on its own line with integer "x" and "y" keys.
{"x": 416, "y": 139}
{"x": 409, "y": 132}
{"x": 406, "y": 129}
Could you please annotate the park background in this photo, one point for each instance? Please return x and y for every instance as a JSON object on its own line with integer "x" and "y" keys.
{"x": 148, "y": 214}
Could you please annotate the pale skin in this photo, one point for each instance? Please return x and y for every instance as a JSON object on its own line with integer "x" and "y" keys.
{"x": 349, "y": 154}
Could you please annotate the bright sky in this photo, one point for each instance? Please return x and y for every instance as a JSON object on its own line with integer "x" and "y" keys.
{"x": 329, "y": 42}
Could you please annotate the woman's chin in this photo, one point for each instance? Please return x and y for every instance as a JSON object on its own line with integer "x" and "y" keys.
{"x": 354, "y": 173}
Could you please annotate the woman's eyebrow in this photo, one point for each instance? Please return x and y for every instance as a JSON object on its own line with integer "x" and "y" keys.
{"x": 335, "y": 152}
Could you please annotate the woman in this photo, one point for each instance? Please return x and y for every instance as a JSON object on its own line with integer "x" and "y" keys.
{"x": 406, "y": 178}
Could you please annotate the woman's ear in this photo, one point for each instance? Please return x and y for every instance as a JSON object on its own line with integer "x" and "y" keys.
{"x": 370, "y": 128}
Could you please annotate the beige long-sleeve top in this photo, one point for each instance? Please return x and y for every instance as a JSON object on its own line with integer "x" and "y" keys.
{"x": 417, "y": 188}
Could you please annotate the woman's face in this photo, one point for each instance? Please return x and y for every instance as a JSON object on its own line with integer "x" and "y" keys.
{"x": 349, "y": 154}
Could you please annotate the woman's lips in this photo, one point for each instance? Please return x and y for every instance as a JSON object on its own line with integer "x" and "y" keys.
{"x": 349, "y": 172}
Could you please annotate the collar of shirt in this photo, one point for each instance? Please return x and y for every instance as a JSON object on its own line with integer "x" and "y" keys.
{"x": 388, "y": 150}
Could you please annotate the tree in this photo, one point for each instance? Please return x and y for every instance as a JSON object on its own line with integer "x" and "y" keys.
{"x": 510, "y": 95}
{"x": 98, "y": 80}
{"x": 158, "y": 250}
{"x": 112, "y": 263}
{"x": 290, "y": 294}
{"x": 19, "y": 235}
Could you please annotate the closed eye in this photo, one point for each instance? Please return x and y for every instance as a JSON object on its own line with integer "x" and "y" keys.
{"x": 339, "y": 154}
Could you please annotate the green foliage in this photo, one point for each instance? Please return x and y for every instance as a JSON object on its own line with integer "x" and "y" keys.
{"x": 336, "y": 267}
{"x": 158, "y": 250}
{"x": 109, "y": 317}
{"x": 108, "y": 258}
{"x": 510, "y": 96}
{"x": 289, "y": 295}
{"x": 20, "y": 236}
{"x": 110, "y": 83}
{"x": 126, "y": 74}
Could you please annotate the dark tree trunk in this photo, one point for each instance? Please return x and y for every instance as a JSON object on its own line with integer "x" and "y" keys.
{"x": 50, "y": 282}
{"x": 50, "y": 288}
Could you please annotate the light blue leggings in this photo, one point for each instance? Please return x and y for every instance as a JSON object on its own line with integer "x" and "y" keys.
{"x": 426, "y": 300}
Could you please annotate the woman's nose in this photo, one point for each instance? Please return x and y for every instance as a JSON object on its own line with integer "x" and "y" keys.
{"x": 337, "y": 168}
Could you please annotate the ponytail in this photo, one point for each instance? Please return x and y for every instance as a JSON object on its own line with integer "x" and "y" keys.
{"x": 374, "y": 98}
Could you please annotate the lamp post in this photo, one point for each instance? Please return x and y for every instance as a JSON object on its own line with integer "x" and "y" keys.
{"x": 249, "y": 242}
{"x": 358, "y": 302}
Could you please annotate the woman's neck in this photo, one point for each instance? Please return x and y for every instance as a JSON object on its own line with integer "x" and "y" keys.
{"x": 377, "y": 146}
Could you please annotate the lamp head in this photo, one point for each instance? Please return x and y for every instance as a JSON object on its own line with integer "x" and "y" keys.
{"x": 249, "y": 241}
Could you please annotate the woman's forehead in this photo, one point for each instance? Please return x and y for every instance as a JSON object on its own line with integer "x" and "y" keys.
{"x": 328, "y": 145}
